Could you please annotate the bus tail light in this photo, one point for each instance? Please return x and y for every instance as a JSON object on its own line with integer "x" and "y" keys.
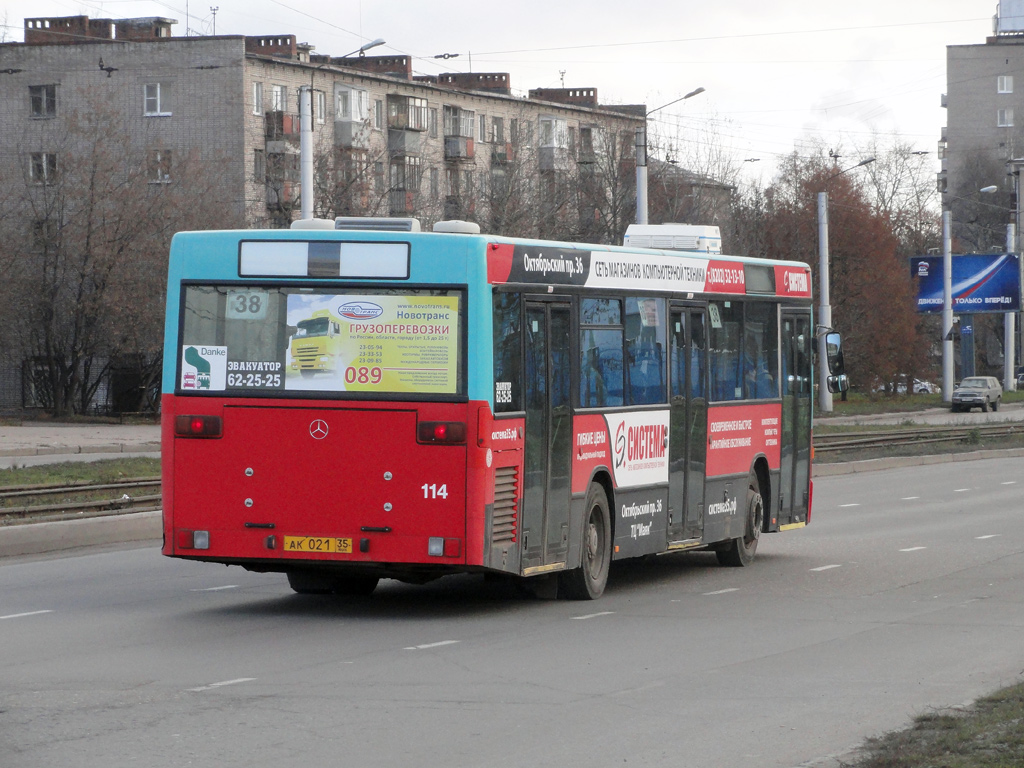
{"x": 442, "y": 432}
{"x": 187, "y": 539}
{"x": 198, "y": 426}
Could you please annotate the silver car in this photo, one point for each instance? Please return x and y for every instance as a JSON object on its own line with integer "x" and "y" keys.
{"x": 977, "y": 392}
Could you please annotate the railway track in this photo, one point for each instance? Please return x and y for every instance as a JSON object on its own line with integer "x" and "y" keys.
{"x": 824, "y": 443}
{"x": 74, "y": 501}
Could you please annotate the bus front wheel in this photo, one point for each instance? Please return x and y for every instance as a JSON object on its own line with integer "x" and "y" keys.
{"x": 588, "y": 581}
{"x": 740, "y": 551}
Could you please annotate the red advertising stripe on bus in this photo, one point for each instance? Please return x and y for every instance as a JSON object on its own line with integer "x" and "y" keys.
{"x": 725, "y": 277}
{"x": 590, "y": 449}
{"x": 792, "y": 281}
{"x": 738, "y": 433}
{"x": 499, "y": 262}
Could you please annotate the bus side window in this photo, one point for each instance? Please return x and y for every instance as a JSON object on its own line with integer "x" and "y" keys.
{"x": 725, "y": 358}
{"x": 645, "y": 346}
{"x": 601, "y": 364}
{"x": 760, "y": 350}
{"x": 507, "y": 353}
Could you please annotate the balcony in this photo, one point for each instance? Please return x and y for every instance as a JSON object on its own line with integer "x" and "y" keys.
{"x": 553, "y": 158}
{"x": 458, "y": 148}
{"x": 501, "y": 154}
{"x": 402, "y": 142}
{"x": 280, "y": 126}
{"x": 401, "y": 202}
{"x": 351, "y": 135}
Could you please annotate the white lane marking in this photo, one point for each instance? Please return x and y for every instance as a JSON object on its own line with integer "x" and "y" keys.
{"x": 592, "y": 615}
{"x": 722, "y": 591}
{"x": 841, "y": 506}
{"x": 221, "y": 684}
{"x": 215, "y": 589}
{"x": 910, "y": 498}
{"x": 961, "y": 490}
{"x": 21, "y": 615}
{"x": 827, "y": 567}
{"x": 1009, "y": 482}
{"x": 989, "y": 536}
{"x": 912, "y": 549}
{"x": 431, "y": 645}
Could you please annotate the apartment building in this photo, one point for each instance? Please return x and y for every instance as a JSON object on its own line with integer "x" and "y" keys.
{"x": 385, "y": 141}
{"x": 984, "y": 132}
{"x": 225, "y": 109}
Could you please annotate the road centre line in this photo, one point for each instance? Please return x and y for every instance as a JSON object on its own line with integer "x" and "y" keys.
{"x": 592, "y": 615}
{"x": 989, "y": 536}
{"x": 827, "y": 567}
{"x": 961, "y": 490}
{"x": 910, "y": 498}
{"x": 431, "y": 645}
{"x": 1009, "y": 482}
{"x": 912, "y": 549}
{"x": 22, "y": 615}
{"x": 722, "y": 591}
{"x": 841, "y": 506}
{"x": 221, "y": 684}
{"x": 215, "y": 589}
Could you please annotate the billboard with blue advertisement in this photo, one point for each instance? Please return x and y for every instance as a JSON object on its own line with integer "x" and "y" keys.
{"x": 982, "y": 282}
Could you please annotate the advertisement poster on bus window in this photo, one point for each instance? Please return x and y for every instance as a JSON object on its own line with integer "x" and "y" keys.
{"x": 372, "y": 343}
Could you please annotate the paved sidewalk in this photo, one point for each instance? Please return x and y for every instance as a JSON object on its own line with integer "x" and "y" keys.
{"x": 35, "y": 439}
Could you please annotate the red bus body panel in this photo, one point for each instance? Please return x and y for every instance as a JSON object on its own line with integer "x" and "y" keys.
{"x": 301, "y": 468}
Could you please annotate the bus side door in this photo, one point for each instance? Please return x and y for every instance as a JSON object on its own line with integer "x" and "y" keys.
{"x": 687, "y": 423}
{"x": 797, "y": 391}
{"x": 548, "y": 443}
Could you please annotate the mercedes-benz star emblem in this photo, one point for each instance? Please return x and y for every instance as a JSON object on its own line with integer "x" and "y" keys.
{"x": 318, "y": 429}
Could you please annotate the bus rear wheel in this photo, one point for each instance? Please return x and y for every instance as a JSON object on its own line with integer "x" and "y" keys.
{"x": 740, "y": 551}
{"x": 588, "y": 581}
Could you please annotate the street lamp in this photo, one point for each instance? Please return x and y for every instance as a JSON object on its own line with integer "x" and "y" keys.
{"x": 641, "y": 158}
{"x": 825, "y": 308}
{"x": 361, "y": 50}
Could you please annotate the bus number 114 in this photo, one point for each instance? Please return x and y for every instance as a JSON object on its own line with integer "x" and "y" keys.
{"x": 434, "y": 491}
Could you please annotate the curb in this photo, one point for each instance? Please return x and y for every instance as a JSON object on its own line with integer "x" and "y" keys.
{"x": 897, "y": 462}
{"x": 61, "y": 450}
{"x": 41, "y": 538}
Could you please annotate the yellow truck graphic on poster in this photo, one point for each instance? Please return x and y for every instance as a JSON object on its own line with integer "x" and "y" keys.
{"x": 317, "y": 344}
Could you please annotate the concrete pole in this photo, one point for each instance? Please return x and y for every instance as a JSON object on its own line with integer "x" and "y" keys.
{"x": 306, "y": 150}
{"x": 947, "y": 308}
{"x": 1009, "y": 326}
{"x": 641, "y": 174}
{"x": 824, "y": 307}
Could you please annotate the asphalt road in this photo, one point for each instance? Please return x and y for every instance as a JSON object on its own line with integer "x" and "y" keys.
{"x": 906, "y": 592}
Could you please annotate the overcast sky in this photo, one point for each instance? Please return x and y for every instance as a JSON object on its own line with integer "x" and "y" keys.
{"x": 776, "y": 72}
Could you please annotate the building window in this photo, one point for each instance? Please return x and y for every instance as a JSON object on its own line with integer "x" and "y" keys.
{"x": 257, "y": 98}
{"x": 459, "y": 122}
{"x": 42, "y": 167}
{"x": 435, "y": 183}
{"x": 259, "y": 166}
{"x": 1004, "y": 118}
{"x": 483, "y": 128}
{"x": 352, "y": 104}
{"x": 159, "y": 171}
{"x": 451, "y": 182}
{"x": 157, "y": 99}
{"x": 378, "y": 114}
{"x": 433, "y": 122}
{"x": 321, "y": 107}
{"x": 553, "y": 132}
{"x": 1004, "y": 84}
{"x": 279, "y": 98}
{"x": 498, "y": 130}
{"x": 407, "y": 113}
{"x": 43, "y": 100}
{"x": 378, "y": 176}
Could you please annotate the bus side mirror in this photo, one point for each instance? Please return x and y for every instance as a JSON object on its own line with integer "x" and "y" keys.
{"x": 839, "y": 383}
{"x": 834, "y": 353}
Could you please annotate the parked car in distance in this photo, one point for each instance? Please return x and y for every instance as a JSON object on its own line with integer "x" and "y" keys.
{"x": 977, "y": 392}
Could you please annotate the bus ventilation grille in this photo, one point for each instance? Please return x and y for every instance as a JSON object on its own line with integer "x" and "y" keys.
{"x": 506, "y": 507}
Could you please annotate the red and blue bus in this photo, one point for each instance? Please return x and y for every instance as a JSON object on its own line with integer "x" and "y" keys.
{"x": 492, "y": 405}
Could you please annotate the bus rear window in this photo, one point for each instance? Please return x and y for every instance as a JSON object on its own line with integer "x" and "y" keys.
{"x": 251, "y": 340}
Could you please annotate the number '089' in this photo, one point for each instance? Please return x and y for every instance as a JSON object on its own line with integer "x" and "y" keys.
{"x": 363, "y": 375}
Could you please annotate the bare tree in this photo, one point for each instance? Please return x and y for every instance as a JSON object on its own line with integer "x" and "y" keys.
{"x": 86, "y": 240}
